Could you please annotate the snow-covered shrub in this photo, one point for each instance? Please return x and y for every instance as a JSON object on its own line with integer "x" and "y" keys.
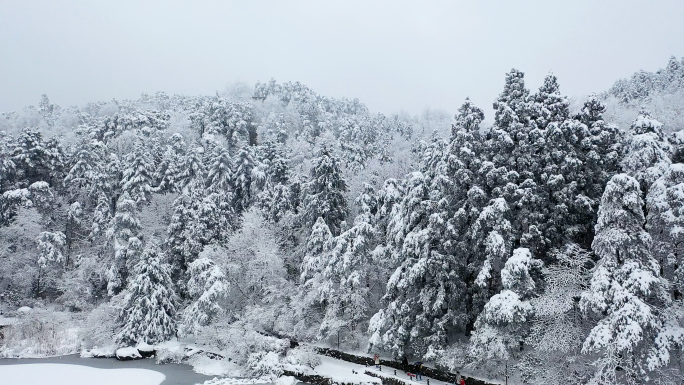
{"x": 452, "y": 358}
{"x": 286, "y": 380}
{"x": 264, "y": 365}
{"x": 301, "y": 359}
{"x": 100, "y": 327}
{"x": 42, "y": 333}
{"x": 240, "y": 341}
{"x": 170, "y": 353}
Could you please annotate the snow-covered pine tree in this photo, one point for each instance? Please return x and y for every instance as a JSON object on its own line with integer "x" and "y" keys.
{"x": 421, "y": 310}
{"x": 242, "y": 179}
{"x": 208, "y": 288}
{"x": 127, "y": 246}
{"x": 50, "y": 261}
{"x": 149, "y": 305}
{"x": 467, "y": 198}
{"x": 37, "y": 159}
{"x": 503, "y": 325}
{"x": 492, "y": 235}
{"x": 167, "y": 172}
{"x": 665, "y": 221}
{"x": 600, "y": 154}
{"x": 352, "y": 275}
{"x": 317, "y": 245}
{"x": 647, "y": 153}
{"x": 626, "y": 290}
{"x": 88, "y": 168}
{"x": 137, "y": 179}
{"x": 51, "y": 246}
{"x": 191, "y": 175}
{"x": 325, "y": 192}
{"x": 512, "y": 105}
{"x": 548, "y": 105}
{"x": 183, "y": 237}
{"x": 8, "y": 168}
{"x": 275, "y": 198}
{"x": 220, "y": 172}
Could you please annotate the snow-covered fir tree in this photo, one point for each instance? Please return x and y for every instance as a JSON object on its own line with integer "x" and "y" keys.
{"x": 502, "y": 326}
{"x": 324, "y": 192}
{"x": 208, "y": 288}
{"x": 626, "y": 290}
{"x": 149, "y": 307}
{"x": 647, "y": 153}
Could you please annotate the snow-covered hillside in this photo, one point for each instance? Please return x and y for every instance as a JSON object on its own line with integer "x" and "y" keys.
{"x": 547, "y": 245}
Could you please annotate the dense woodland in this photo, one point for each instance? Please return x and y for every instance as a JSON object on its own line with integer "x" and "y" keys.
{"x": 550, "y": 240}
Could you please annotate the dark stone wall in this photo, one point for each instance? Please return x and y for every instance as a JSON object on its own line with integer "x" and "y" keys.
{"x": 312, "y": 379}
{"x": 368, "y": 361}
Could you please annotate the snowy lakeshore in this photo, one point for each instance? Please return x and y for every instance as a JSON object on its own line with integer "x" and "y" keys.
{"x": 75, "y": 370}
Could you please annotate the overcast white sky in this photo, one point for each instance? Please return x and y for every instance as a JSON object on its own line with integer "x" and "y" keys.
{"x": 392, "y": 55}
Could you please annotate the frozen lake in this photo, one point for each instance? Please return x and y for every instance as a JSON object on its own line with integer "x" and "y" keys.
{"x": 176, "y": 374}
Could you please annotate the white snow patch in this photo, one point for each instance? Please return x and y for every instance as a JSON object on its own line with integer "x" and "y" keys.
{"x": 212, "y": 367}
{"x": 286, "y": 380}
{"x": 99, "y": 352}
{"x": 144, "y": 347}
{"x": 342, "y": 371}
{"x": 61, "y": 374}
{"x": 235, "y": 381}
{"x": 130, "y": 353}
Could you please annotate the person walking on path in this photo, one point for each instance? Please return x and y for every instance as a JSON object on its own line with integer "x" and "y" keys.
{"x": 419, "y": 371}
{"x": 377, "y": 361}
{"x": 404, "y": 363}
{"x": 462, "y": 381}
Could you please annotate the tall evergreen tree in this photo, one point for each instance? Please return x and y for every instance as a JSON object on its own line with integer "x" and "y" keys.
{"x": 192, "y": 173}
{"x": 548, "y": 105}
{"x": 127, "y": 244}
{"x": 647, "y": 153}
{"x": 37, "y": 159}
{"x": 350, "y": 272}
{"x": 324, "y": 192}
{"x": 220, "y": 172}
{"x": 503, "y": 324}
{"x": 137, "y": 179}
{"x": 208, "y": 288}
{"x": 243, "y": 179}
{"x": 665, "y": 207}
{"x": 626, "y": 290}
{"x": 168, "y": 169}
{"x": 149, "y": 310}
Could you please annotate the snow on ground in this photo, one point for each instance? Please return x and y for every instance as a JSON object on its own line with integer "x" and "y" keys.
{"x": 342, "y": 371}
{"x": 210, "y": 367}
{"x": 286, "y": 380}
{"x": 59, "y": 374}
{"x": 128, "y": 353}
{"x": 234, "y": 381}
{"x": 400, "y": 373}
{"x": 99, "y": 352}
{"x": 5, "y": 321}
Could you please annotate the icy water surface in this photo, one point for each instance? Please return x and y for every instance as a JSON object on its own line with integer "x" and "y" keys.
{"x": 176, "y": 374}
